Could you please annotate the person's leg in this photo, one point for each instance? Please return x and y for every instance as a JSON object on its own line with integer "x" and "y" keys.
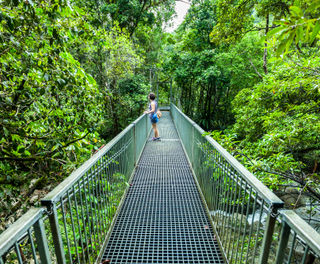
{"x": 156, "y": 132}
{"x": 155, "y": 129}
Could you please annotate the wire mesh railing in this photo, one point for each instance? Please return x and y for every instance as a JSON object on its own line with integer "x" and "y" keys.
{"x": 245, "y": 213}
{"x": 78, "y": 213}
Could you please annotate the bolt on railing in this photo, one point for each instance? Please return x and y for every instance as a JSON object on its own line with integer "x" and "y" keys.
{"x": 79, "y": 211}
{"x": 245, "y": 212}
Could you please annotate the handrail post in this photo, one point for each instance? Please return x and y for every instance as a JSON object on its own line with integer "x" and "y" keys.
{"x": 268, "y": 233}
{"x": 42, "y": 242}
{"x": 134, "y": 145}
{"x": 192, "y": 148}
{"x": 146, "y": 126}
{"x": 284, "y": 237}
{"x": 171, "y": 91}
{"x": 56, "y": 235}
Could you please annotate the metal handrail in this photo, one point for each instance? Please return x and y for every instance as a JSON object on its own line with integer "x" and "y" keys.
{"x": 231, "y": 192}
{"x": 303, "y": 229}
{"x": 29, "y": 223}
{"x": 264, "y": 191}
{"x": 293, "y": 225}
{"x": 65, "y": 185}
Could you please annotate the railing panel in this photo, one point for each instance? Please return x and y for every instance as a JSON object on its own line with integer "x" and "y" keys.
{"x": 141, "y": 132}
{"x": 83, "y": 209}
{"x": 25, "y": 241}
{"x": 298, "y": 241}
{"x": 80, "y": 209}
{"x": 244, "y": 211}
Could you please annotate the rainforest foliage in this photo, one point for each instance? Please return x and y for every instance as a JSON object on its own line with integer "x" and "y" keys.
{"x": 74, "y": 73}
{"x": 249, "y": 72}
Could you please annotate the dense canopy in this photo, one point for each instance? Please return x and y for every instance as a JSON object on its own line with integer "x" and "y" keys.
{"x": 74, "y": 73}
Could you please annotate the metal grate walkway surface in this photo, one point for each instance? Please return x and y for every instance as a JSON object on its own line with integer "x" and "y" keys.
{"x": 162, "y": 219}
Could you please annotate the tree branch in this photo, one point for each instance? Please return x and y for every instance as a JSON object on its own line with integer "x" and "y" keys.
{"x": 255, "y": 69}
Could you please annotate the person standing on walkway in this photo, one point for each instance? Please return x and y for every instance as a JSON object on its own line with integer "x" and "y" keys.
{"x": 153, "y": 108}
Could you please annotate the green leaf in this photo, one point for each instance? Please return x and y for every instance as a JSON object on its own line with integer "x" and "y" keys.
{"x": 314, "y": 6}
{"x": 281, "y": 47}
{"x": 296, "y": 11}
{"x": 299, "y": 34}
{"x": 6, "y": 131}
{"x": 275, "y": 31}
{"x": 15, "y": 137}
{"x": 315, "y": 31}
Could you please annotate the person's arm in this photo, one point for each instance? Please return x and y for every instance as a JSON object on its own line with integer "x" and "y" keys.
{"x": 153, "y": 108}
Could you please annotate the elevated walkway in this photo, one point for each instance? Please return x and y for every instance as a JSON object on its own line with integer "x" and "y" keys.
{"x": 163, "y": 216}
{"x": 163, "y": 219}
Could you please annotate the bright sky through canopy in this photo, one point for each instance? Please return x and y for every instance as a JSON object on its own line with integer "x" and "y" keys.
{"x": 181, "y": 9}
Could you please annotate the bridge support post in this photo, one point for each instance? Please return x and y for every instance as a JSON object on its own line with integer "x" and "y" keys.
{"x": 56, "y": 235}
{"x": 267, "y": 237}
{"x": 42, "y": 242}
{"x": 284, "y": 237}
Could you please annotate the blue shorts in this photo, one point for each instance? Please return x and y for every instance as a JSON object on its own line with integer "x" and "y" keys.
{"x": 154, "y": 119}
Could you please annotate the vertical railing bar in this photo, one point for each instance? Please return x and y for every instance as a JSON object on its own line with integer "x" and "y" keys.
{"x": 292, "y": 246}
{"x": 305, "y": 254}
{"x": 230, "y": 219}
{"x": 91, "y": 207}
{"x": 228, "y": 207}
{"x": 98, "y": 196}
{"x": 34, "y": 253}
{"x": 246, "y": 220}
{"x": 65, "y": 228}
{"x": 96, "y": 207}
{"x": 72, "y": 224}
{"x": 214, "y": 187}
{"x": 221, "y": 194}
{"x": 237, "y": 219}
{"x": 258, "y": 230}
{"x": 1, "y": 260}
{"x": 218, "y": 187}
{"x": 42, "y": 243}
{"x": 87, "y": 212}
{"x": 105, "y": 193}
{"x": 284, "y": 237}
{"x": 233, "y": 200}
{"x": 242, "y": 195}
{"x": 102, "y": 196}
{"x": 96, "y": 203}
{"x": 224, "y": 204}
{"x": 17, "y": 249}
{"x": 135, "y": 144}
{"x": 108, "y": 193}
{"x": 212, "y": 190}
{"x": 192, "y": 152}
{"x": 268, "y": 235}
{"x": 252, "y": 221}
{"x": 56, "y": 234}
{"x": 83, "y": 219}
{"x": 78, "y": 221}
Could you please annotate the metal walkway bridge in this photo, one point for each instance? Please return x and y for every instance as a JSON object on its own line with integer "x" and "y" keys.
{"x": 185, "y": 200}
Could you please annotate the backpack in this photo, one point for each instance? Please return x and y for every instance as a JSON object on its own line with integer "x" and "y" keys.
{"x": 159, "y": 114}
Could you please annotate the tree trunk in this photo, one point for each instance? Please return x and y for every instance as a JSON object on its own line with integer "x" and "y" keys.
{"x": 265, "y": 53}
